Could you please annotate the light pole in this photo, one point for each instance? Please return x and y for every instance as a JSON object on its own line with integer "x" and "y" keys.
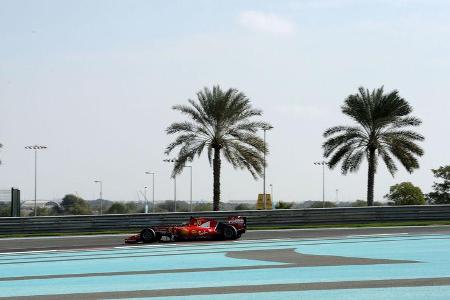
{"x": 337, "y": 195}
{"x": 271, "y": 193}
{"x": 35, "y": 148}
{"x": 265, "y": 128}
{"x": 153, "y": 190}
{"x": 146, "y": 199}
{"x": 101, "y": 195}
{"x": 174, "y": 186}
{"x": 322, "y": 163}
{"x": 190, "y": 202}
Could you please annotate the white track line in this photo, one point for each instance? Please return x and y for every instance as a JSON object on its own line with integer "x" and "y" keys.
{"x": 263, "y": 230}
{"x": 64, "y": 237}
{"x": 377, "y": 234}
{"x": 349, "y": 228}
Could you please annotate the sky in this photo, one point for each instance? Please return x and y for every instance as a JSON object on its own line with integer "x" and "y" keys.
{"x": 95, "y": 81}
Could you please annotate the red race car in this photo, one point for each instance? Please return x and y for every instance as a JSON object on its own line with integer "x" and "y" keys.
{"x": 196, "y": 229}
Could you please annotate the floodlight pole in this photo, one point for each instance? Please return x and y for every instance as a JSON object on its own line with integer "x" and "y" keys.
{"x": 271, "y": 194}
{"x": 35, "y": 148}
{"x": 265, "y": 128}
{"x": 322, "y": 163}
{"x": 174, "y": 193}
{"x": 174, "y": 186}
{"x": 101, "y": 195}
{"x": 190, "y": 202}
{"x": 153, "y": 190}
{"x": 146, "y": 199}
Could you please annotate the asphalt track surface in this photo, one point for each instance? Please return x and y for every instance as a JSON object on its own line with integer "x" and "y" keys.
{"x": 99, "y": 241}
{"x": 360, "y": 263}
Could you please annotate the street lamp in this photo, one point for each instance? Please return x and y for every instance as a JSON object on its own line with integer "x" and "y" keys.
{"x": 101, "y": 195}
{"x": 271, "y": 193}
{"x": 153, "y": 191}
{"x": 265, "y": 128}
{"x": 35, "y": 148}
{"x": 146, "y": 199}
{"x": 190, "y": 202}
{"x": 174, "y": 186}
{"x": 322, "y": 163}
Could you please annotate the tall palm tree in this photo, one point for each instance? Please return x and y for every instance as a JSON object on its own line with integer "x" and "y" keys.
{"x": 380, "y": 132}
{"x": 220, "y": 122}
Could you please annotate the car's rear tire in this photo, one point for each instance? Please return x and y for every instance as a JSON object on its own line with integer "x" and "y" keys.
{"x": 148, "y": 235}
{"x": 229, "y": 233}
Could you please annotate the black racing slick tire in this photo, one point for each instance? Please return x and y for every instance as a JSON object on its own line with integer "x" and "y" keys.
{"x": 229, "y": 233}
{"x": 148, "y": 235}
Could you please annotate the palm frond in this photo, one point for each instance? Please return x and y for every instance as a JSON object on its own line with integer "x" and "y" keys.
{"x": 380, "y": 117}
{"x": 177, "y": 127}
{"x": 406, "y": 121}
{"x": 388, "y": 161}
{"x": 219, "y": 119}
{"x": 339, "y": 154}
{"x": 335, "y": 129}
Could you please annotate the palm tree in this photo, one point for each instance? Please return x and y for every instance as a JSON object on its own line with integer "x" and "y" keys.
{"x": 221, "y": 122}
{"x": 380, "y": 132}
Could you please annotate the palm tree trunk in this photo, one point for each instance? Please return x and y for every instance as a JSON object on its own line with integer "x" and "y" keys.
{"x": 216, "y": 175}
{"x": 371, "y": 177}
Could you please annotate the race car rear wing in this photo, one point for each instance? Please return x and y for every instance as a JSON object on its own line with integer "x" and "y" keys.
{"x": 238, "y": 222}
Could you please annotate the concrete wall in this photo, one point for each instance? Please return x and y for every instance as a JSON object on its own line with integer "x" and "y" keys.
{"x": 254, "y": 218}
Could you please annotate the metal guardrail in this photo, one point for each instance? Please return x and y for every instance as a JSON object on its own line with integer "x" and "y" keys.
{"x": 255, "y": 218}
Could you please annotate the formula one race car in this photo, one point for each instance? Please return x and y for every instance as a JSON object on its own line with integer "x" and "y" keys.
{"x": 196, "y": 229}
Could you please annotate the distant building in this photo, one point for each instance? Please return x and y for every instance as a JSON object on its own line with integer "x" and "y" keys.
{"x": 29, "y": 204}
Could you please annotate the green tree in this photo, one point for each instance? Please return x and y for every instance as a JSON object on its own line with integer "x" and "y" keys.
{"x": 202, "y": 207}
{"x": 405, "y": 193}
{"x": 44, "y": 211}
{"x": 284, "y": 205}
{"x": 221, "y": 122}
{"x": 5, "y": 209}
{"x": 74, "y": 205}
{"x": 320, "y": 204}
{"x": 122, "y": 208}
{"x": 441, "y": 190}
{"x": 131, "y": 207}
{"x": 359, "y": 203}
{"x": 168, "y": 206}
{"x": 117, "y": 208}
{"x": 381, "y": 131}
{"x": 243, "y": 206}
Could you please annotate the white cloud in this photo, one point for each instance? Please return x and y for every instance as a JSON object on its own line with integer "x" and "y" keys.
{"x": 264, "y": 22}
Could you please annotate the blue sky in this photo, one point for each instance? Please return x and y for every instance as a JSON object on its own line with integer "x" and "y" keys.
{"x": 95, "y": 80}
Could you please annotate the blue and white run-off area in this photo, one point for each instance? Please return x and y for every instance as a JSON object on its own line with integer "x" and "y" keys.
{"x": 397, "y": 266}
